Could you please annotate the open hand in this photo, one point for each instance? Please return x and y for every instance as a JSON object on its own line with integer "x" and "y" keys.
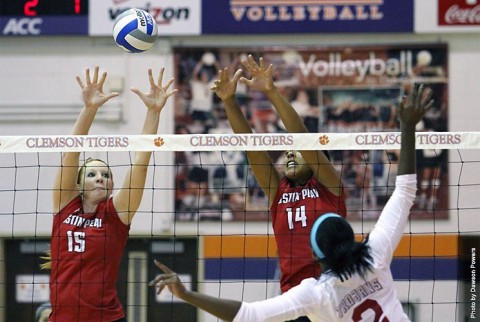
{"x": 159, "y": 93}
{"x": 224, "y": 86}
{"x": 92, "y": 89}
{"x": 414, "y": 106}
{"x": 262, "y": 79}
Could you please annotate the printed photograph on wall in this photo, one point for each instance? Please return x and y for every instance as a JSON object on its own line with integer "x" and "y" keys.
{"x": 335, "y": 90}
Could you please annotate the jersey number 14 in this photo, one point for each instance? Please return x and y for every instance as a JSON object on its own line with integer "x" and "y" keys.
{"x": 300, "y": 216}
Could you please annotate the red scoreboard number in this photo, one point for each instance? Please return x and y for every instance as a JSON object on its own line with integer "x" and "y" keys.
{"x": 34, "y": 8}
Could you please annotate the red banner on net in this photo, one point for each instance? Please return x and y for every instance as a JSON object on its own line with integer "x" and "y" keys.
{"x": 458, "y": 12}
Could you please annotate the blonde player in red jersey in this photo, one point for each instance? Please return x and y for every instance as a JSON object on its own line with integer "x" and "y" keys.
{"x": 90, "y": 225}
{"x": 356, "y": 283}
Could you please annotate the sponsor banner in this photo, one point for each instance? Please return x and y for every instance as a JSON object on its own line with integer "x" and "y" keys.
{"x": 458, "y": 13}
{"x": 447, "y": 16}
{"x": 306, "y": 16}
{"x": 43, "y": 25}
{"x": 173, "y": 17}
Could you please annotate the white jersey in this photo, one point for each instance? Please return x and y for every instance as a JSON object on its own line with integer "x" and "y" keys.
{"x": 202, "y": 96}
{"x": 328, "y": 299}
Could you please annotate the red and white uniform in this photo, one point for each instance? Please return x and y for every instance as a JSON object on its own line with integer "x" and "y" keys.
{"x": 86, "y": 254}
{"x": 357, "y": 299}
{"x": 294, "y": 211}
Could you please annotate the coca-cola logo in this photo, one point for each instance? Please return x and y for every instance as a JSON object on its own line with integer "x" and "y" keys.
{"x": 455, "y": 15}
{"x": 458, "y": 13}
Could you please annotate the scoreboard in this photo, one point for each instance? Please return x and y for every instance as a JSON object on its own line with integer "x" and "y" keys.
{"x": 43, "y": 17}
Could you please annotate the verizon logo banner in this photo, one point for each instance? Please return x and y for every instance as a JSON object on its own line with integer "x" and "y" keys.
{"x": 306, "y": 16}
{"x": 172, "y": 17}
{"x": 458, "y": 12}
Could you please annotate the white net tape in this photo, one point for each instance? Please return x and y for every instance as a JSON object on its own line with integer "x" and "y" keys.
{"x": 236, "y": 142}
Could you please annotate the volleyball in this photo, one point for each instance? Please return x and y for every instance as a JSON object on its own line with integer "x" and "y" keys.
{"x": 135, "y": 30}
{"x": 424, "y": 58}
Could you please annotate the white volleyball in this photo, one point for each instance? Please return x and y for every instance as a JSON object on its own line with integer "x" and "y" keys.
{"x": 208, "y": 58}
{"x": 424, "y": 58}
{"x": 135, "y": 30}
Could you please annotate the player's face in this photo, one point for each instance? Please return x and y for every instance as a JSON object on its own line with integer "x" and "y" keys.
{"x": 296, "y": 168}
{"x": 96, "y": 181}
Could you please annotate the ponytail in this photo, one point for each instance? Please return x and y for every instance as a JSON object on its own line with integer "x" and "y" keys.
{"x": 48, "y": 258}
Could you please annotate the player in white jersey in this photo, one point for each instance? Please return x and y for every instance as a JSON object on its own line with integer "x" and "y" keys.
{"x": 356, "y": 284}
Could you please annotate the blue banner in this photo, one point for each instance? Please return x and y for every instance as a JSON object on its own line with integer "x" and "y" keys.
{"x": 306, "y": 16}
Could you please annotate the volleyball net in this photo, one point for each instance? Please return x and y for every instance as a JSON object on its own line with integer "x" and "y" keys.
{"x": 204, "y": 215}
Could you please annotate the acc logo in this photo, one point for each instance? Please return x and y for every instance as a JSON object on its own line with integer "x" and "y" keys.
{"x": 22, "y": 26}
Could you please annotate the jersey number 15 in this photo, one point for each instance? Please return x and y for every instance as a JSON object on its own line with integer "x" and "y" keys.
{"x": 76, "y": 241}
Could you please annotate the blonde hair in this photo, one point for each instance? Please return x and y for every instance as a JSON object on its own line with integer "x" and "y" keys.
{"x": 48, "y": 258}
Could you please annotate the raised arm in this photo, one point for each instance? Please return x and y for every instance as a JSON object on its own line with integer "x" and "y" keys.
{"x": 266, "y": 174}
{"x": 389, "y": 228}
{"x": 262, "y": 80}
{"x": 411, "y": 110}
{"x": 65, "y": 185}
{"x": 128, "y": 198}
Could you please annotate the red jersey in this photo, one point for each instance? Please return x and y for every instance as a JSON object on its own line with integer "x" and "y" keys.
{"x": 86, "y": 254}
{"x": 293, "y": 211}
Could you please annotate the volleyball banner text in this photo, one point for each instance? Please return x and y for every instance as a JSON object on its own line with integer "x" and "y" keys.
{"x": 237, "y": 142}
